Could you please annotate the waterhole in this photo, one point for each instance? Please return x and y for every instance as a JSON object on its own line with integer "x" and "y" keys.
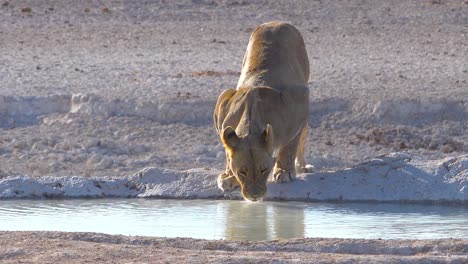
{"x": 225, "y": 219}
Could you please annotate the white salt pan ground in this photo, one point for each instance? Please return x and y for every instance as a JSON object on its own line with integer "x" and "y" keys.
{"x": 396, "y": 177}
{"x": 90, "y": 91}
{"x": 107, "y": 89}
{"x": 89, "y": 135}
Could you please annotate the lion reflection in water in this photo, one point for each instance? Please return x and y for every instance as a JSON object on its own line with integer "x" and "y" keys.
{"x": 263, "y": 221}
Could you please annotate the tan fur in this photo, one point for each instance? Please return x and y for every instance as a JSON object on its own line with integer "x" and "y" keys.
{"x": 263, "y": 123}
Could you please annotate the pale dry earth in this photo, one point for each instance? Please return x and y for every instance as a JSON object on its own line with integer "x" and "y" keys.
{"x": 385, "y": 76}
{"x": 138, "y": 81}
{"x": 57, "y": 247}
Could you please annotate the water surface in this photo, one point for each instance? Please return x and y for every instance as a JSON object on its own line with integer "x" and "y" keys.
{"x": 224, "y": 219}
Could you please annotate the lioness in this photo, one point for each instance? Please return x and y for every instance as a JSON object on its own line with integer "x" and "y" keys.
{"x": 263, "y": 122}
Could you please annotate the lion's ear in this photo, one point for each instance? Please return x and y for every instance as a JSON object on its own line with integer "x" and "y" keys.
{"x": 268, "y": 135}
{"x": 230, "y": 138}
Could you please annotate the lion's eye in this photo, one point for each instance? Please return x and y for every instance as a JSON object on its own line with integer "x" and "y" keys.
{"x": 242, "y": 174}
{"x": 264, "y": 171}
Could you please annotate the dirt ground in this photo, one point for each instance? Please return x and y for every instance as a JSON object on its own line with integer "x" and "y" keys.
{"x": 385, "y": 76}
{"x": 58, "y": 247}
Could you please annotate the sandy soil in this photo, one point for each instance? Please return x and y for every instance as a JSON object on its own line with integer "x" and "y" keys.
{"x": 57, "y": 247}
{"x": 386, "y": 76}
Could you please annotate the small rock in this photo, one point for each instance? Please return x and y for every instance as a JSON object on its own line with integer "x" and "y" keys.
{"x": 26, "y": 10}
{"x": 138, "y": 149}
{"x": 105, "y": 163}
{"x": 447, "y": 148}
{"x": 94, "y": 159}
{"x": 93, "y": 142}
{"x": 402, "y": 145}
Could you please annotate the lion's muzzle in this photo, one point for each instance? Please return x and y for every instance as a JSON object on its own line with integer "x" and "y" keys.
{"x": 254, "y": 193}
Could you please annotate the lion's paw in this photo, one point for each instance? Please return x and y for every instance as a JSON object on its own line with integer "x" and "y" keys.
{"x": 284, "y": 176}
{"x": 227, "y": 183}
{"x": 305, "y": 169}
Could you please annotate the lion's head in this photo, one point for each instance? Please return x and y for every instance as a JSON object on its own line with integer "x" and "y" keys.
{"x": 251, "y": 160}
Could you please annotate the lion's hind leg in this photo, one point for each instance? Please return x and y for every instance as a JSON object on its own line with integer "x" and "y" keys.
{"x": 301, "y": 165}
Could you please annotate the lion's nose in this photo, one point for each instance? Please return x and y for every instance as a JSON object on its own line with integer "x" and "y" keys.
{"x": 254, "y": 199}
{"x": 255, "y": 196}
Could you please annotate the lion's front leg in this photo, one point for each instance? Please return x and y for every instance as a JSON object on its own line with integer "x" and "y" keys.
{"x": 285, "y": 170}
{"x": 227, "y": 181}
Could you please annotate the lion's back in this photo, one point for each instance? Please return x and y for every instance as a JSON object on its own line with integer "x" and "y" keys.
{"x": 272, "y": 85}
{"x": 275, "y": 57}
